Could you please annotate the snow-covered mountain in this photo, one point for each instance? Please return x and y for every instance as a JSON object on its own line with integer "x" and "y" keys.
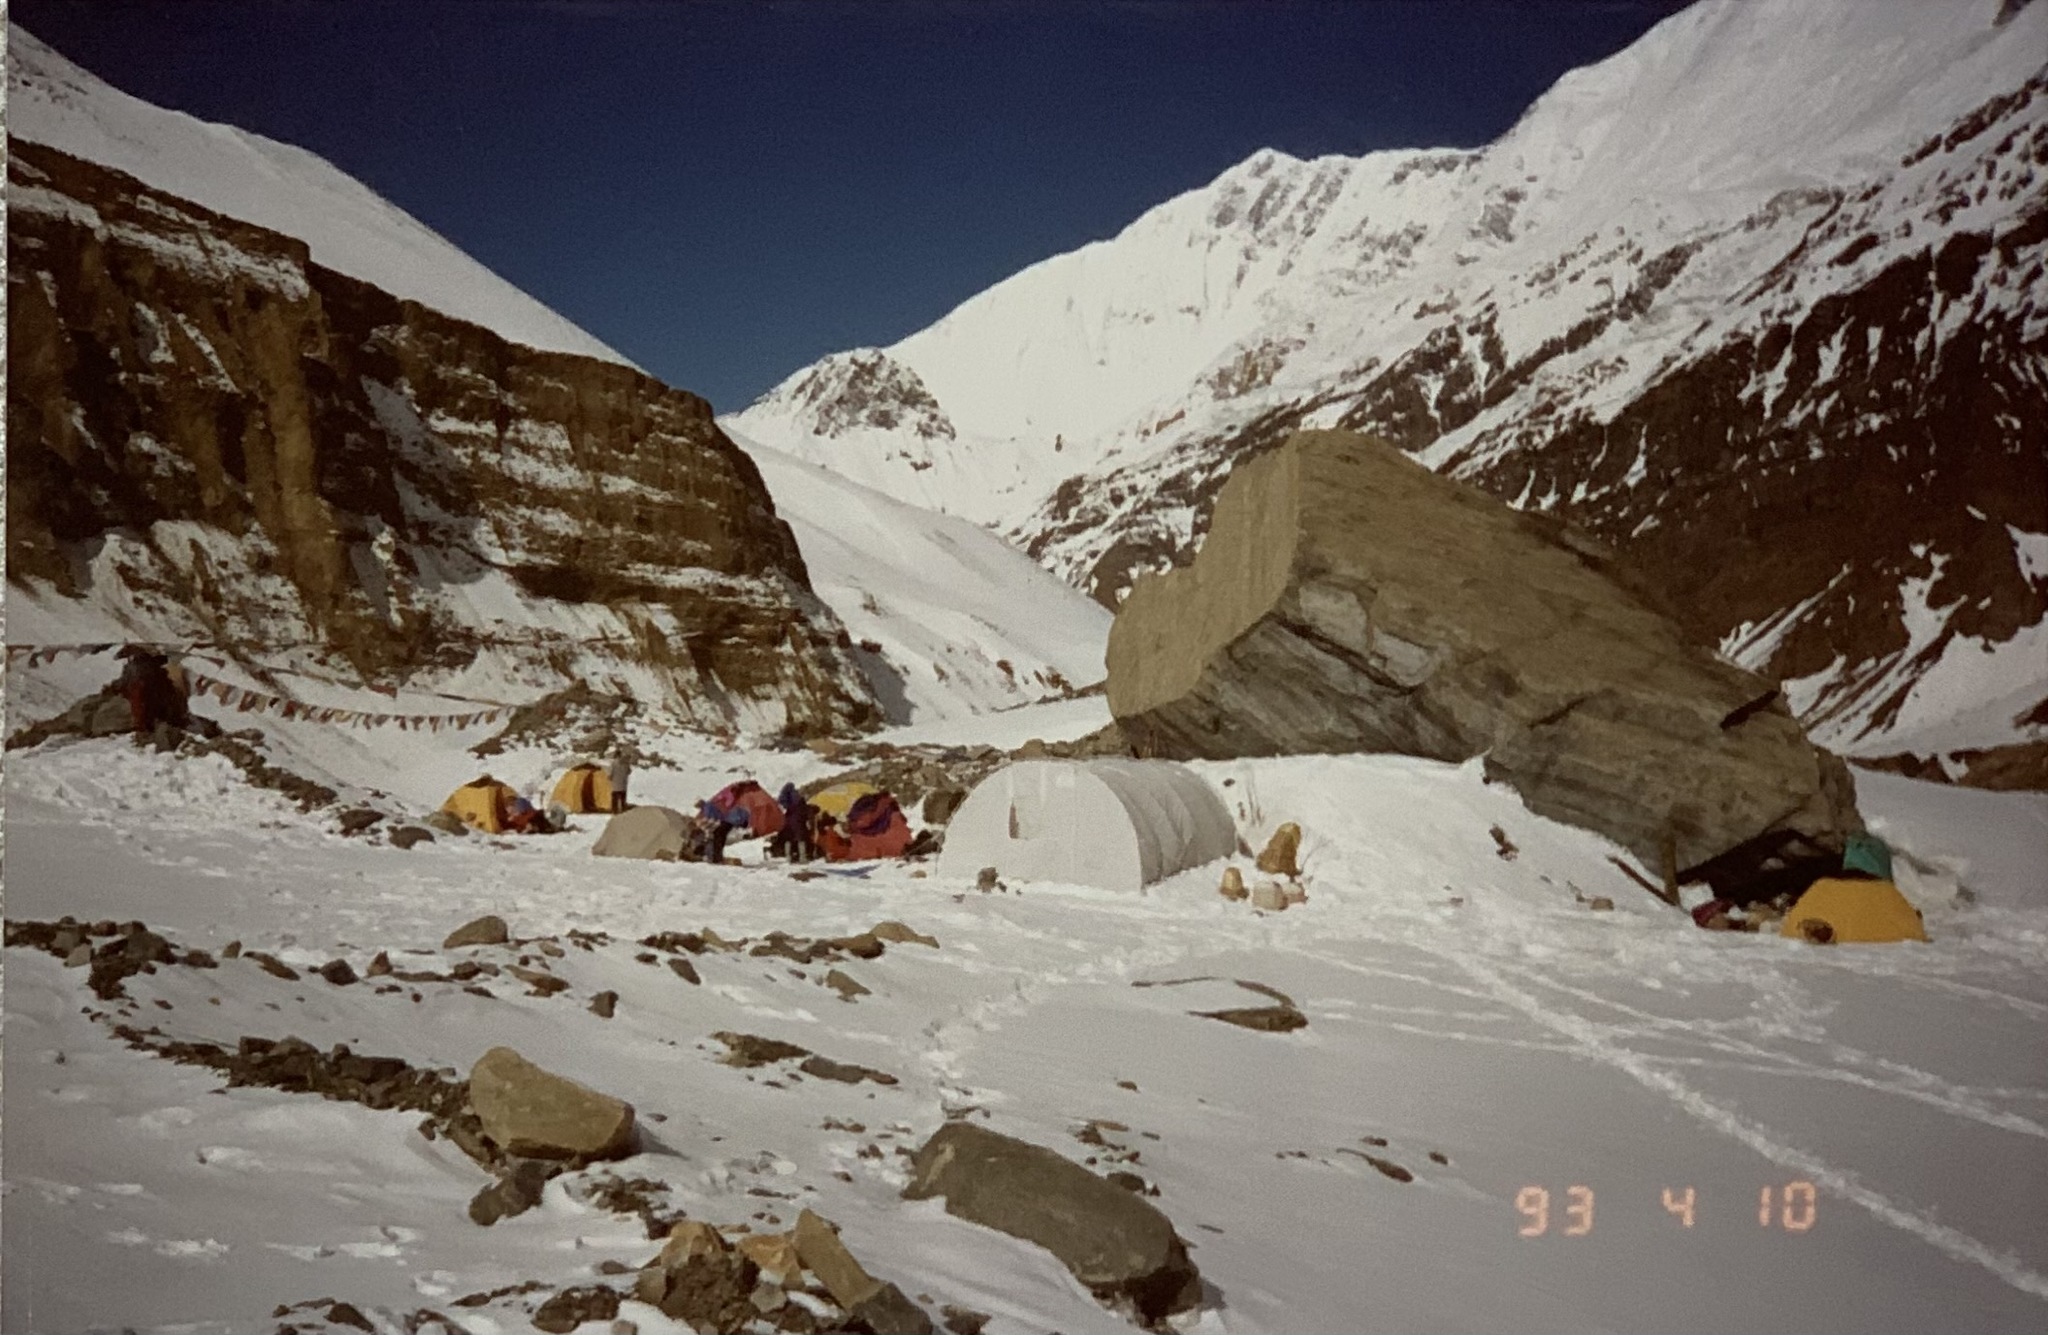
{"x": 1757, "y": 300}
{"x": 347, "y": 226}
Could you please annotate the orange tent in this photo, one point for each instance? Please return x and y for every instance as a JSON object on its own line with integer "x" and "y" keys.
{"x": 482, "y": 803}
{"x": 1857, "y": 910}
{"x": 585, "y": 788}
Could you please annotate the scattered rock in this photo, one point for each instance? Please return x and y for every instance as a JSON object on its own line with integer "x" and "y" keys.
{"x": 824, "y": 1255}
{"x": 489, "y": 930}
{"x": 528, "y": 1111}
{"x": 1279, "y": 855}
{"x": 887, "y": 1311}
{"x": 347, "y": 1314}
{"x": 1385, "y": 1166}
{"x": 901, "y": 933}
{"x": 232, "y": 950}
{"x": 79, "y": 957}
{"x": 863, "y": 945}
{"x": 357, "y": 819}
{"x": 684, "y": 970}
{"x": 1600, "y": 904}
{"x": 570, "y": 1308}
{"x": 1114, "y": 1242}
{"x": 775, "y": 1254}
{"x": 699, "y": 1280}
{"x": 518, "y": 1191}
{"x": 1269, "y": 895}
{"x": 541, "y": 981}
{"x": 1131, "y": 1182}
{"x": 985, "y": 880}
{"x": 963, "y": 1320}
{"x": 447, "y": 823}
{"x": 604, "y": 1004}
{"x": 406, "y": 836}
{"x": 846, "y": 985}
{"x": 337, "y": 972}
{"x": 1233, "y": 885}
{"x": 940, "y": 804}
{"x": 274, "y": 966}
{"x": 380, "y": 966}
{"x": 754, "y": 1050}
{"x": 1267, "y": 1019}
{"x": 1503, "y": 846}
{"x": 1438, "y": 1157}
{"x": 824, "y": 1068}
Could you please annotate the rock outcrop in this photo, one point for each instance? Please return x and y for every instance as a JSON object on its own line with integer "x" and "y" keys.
{"x": 1114, "y": 1242}
{"x": 534, "y": 1113}
{"x": 252, "y": 450}
{"x": 1347, "y": 599}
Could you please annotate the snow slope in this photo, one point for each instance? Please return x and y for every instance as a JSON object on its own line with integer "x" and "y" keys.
{"x": 964, "y": 621}
{"x": 1462, "y": 1010}
{"x": 349, "y": 228}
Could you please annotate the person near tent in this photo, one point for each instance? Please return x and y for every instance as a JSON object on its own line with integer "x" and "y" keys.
{"x": 617, "y": 773}
{"x": 523, "y": 817}
{"x": 716, "y": 825}
{"x": 794, "y": 840}
{"x": 153, "y": 697}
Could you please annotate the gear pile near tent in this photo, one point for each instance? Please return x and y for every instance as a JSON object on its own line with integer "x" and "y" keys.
{"x": 1116, "y": 824}
{"x": 874, "y": 827}
{"x": 584, "y": 789}
{"x": 482, "y": 804}
{"x": 656, "y": 833}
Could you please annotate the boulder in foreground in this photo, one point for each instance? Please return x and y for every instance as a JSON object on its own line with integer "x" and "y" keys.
{"x": 534, "y": 1113}
{"x": 1347, "y": 599}
{"x": 1115, "y": 1243}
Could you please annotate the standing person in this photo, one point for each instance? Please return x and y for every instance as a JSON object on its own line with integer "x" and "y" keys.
{"x": 617, "y": 773}
{"x": 794, "y": 839}
{"x": 717, "y": 827}
{"x": 153, "y": 697}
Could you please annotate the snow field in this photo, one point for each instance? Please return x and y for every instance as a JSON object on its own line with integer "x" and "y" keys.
{"x": 1529, "y": 1041}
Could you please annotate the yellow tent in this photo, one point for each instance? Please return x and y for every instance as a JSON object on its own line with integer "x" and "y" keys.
{"x": 483, "y": 804}
{"x": 1857, "y": 911}
{"x": 584, "y": 788}
{"x": 835, "y": 801}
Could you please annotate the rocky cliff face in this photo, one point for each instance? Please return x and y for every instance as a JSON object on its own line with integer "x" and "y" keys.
{"x": 1348, "y": 599}
{"x": 211, "y": 437}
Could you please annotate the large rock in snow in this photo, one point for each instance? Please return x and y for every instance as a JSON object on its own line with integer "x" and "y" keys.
{"x": 536, "y": 1113}
{"x": 1115, "y": 1243}
{"x": 1347, "y": 599}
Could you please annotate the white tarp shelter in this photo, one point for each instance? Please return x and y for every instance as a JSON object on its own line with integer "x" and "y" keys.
{"x": 1118, "y": 824}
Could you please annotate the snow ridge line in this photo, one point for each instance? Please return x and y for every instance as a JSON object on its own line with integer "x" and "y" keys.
{"x": 1593, "y": 1043}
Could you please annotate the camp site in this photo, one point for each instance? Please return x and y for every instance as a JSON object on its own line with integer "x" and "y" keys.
{"x": 1381, "y": 738}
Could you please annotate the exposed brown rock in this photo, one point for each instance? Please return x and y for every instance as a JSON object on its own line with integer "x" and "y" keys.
{"x": 528, "y": 1111}
{"x": 1347, "y": 599}
{"x": 489, "y": 930}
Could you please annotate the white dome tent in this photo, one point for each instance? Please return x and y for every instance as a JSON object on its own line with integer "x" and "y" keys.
{"x": 1117, "y": 824}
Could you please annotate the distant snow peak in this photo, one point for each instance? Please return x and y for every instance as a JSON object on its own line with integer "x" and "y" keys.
{"x": 864, "y": 389}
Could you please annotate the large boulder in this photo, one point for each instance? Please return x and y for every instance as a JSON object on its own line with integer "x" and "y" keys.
{"x": 1348, "y": 599}
{"x": 535, "y": 1113}
{"x": 1117, "y": 1244}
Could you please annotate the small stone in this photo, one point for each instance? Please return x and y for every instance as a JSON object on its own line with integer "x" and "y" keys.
{"x": 625, "y": 1327}
{"x": 337, "y": 972}
{"x": 845, "y": 985}
{"x": 863, "y": 945}
{"x": 775, "y": 1254}
{"x": 513, "y": 1194}
{"x": 684, "y": 970}
{"x": 79, "y": 957}
{"x": 888, "y": 1311}
{"x": 901, "y": 933}
{"x": 1269, "y": 896}
{"x": 357, "y": 819}
{"x": 233, "y": 950}
{"x": 447, "y": 823}
{"x": 985, "y": 880}
{"x": 539, "y": 980}
{"x": 825, "y": 1256}
{"x": 690, "y": 1239}
{"x": 1131, "y": 1085}
{"x": 1266, "y": 1019}
{"x": 963, "y": 1320}
{"x": 572, "y": 1307}
{"x": 489, "y": 930}
{"x": 408, "y": 836}
{"x": 380, "y": 966}
{"x": 604, "y": 1004}
{"x": 274, "y": 966}
{"x": 1600, "y": 904}
{"x": 1278, "y": 856}
{"x": 347, "y": 1314}
{"x": 768, "y": 1297}
{"x": 1233, "y": 884}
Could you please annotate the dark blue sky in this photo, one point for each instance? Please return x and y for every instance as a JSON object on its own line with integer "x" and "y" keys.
{"x": 726, "y": 191}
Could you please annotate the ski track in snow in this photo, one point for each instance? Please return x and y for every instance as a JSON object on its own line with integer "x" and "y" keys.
{"x": 1596, "y": 1041}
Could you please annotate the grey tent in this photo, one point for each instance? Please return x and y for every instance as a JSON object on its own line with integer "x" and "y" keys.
{"x": 660, "y": 833}
{"x": 1118, "y": 824}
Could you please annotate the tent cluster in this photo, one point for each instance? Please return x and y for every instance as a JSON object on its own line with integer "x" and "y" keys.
{"x": 492, "y": 807}
{"x": 843, "y": 823}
